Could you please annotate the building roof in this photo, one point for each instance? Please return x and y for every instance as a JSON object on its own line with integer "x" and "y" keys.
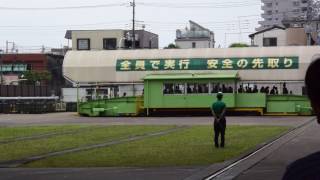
{"x": 68, "y": 34}
{"x": 195, "y": 32}
{"x": 198, "y": 25}
{"x": 230, "y": 75}
{"x": 267, "y": 29}
{"x": 194, "y": 39}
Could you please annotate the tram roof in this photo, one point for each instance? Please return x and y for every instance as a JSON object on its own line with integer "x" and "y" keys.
{"x": 230, "y": 75}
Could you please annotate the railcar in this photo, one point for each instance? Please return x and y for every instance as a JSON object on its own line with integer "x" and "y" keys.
{"x": 269, "y": 81}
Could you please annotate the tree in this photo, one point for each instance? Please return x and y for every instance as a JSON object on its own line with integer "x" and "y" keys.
{"x": 172, "y": 46}
{"x": 238, "y": 45}
{"x": 32, "y": 77}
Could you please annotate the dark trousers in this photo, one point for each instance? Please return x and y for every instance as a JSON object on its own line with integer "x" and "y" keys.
{"x": 219, "y": 129}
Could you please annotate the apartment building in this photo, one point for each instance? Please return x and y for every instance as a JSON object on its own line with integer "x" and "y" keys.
{"x": 275, "y": 11}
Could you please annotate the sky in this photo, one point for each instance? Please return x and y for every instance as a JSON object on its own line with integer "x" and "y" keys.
{"x": 35, "y": 23}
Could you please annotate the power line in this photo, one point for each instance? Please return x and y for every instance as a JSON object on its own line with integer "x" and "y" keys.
{"x": 201, "y": 5}
{"x": 162, "y": 4}
{"x": 72, "y": 25}
{"x": 62, "y": 8}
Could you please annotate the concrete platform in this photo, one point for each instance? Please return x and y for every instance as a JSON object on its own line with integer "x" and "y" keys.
{"x": 274, "y": 165}
{"x": 73, "y": 118}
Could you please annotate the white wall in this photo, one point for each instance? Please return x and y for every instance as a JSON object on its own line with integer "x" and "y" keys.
{"x": 102, "y": 65}
{"x": 274, "y": 33}
{"x": 199, "y": 44}
{"x": 70, "y": 94}
{"x": 131, "y": 90}
{"x": 96, "y": 37}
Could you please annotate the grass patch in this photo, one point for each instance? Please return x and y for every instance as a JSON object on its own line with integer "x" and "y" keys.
{"x": 9, "y": 133}
{"x": 188, "y": 147}
{"x": 23, "y": 149}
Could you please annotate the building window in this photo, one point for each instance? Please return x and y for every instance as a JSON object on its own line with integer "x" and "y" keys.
{"x": 29, "y": 67}
{"x": 194, "y": 45}
{"x": 110, "y": 43}
{"x": 269, "y": 4}
{"x": 304, "y": 9}
{"x": 269, "y": 42}
{"x": 295, "y": 3}
{"x": 83, "y": 44}
{"x": 269, "y": 12}
{"x": 296, "y": 10}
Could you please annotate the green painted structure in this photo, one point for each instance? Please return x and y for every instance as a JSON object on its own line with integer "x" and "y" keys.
{"x": 155, "y": 98}
{"x": 125, "y": 106}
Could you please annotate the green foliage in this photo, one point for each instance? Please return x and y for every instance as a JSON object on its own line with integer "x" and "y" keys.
{"x": 238, "y": 45}
{"x": 34, "y": 76}
{"x": 172, "y": 46}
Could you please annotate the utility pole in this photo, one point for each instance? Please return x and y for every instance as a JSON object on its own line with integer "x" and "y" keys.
{"x": 1, "y": 67}
{"x": 240, "y": 33}
{"x": 133, "y": 4}
{"x": 309, "y": 25}
{"x": 7, "y": 46}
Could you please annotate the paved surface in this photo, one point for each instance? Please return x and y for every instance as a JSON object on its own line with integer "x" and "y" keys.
{"x": 271, "y": 167}
{"x": 73, "y": 118}
{"x": 234, "y": 170}
{"x": 97, "y": 174}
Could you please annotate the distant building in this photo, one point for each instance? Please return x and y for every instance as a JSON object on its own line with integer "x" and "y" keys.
{"x": 14, "y": 65}
{"x": 60, "y": 51}
{"x": 195, "y": 36}
{"x": 279, "y": 36}
{"x": 277, "y": 11}
{"x": 311, "y": 28}
{"x": 111, "y": 39}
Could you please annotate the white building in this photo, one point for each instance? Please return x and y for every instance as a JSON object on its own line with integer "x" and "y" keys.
{"x": 111, "y": 39}
{"x": 195, "y": 36}
{"x": 275, "y": 11}
{"x": 279, "y": 36}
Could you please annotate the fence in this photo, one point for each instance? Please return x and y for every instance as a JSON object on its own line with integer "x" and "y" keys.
{"x": 28, "y": 91}
{"x": 29, "y": 99}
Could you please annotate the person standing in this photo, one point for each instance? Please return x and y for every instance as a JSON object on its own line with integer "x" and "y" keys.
{"x": 218, "y": 110}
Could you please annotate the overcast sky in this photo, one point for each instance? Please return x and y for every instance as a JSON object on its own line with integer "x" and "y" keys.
{"x": 32, "y": 28}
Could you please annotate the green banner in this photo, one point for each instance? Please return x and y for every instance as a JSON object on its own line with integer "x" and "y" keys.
{"x": 13, "y": 67}
{"x": 207, "y": 64}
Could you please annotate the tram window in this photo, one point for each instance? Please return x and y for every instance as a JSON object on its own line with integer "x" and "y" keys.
{"x": 221, "y": 87}
{"x": 178, "y": 88}
{"x": 215, "y": 87}
{"x": 203, "y": 88}
{"x": 195, "y": 88}
{"x": 173, "y": 88}
{"x": 168, "y": 89}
